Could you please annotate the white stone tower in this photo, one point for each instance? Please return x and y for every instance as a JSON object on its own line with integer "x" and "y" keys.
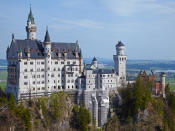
{"x": 120, "y": 62}
{"x": 31, "y": 27}
{"x": 47, "y": 51}
{"x": 163, "y": 83}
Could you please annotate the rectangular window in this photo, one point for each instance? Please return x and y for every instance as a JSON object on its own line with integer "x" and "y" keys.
{"x": 25, "y": 70}
{"x": 31, "y": 62}
{"x": 56, "y": 62}
{"x": 68, "y": 62}
{"x": 31, "y": 70}
{"x": 74, "y": 62}
{"x": 42, "y": 63}
{"x": 25, "y": 83}
{"x": 25, "y": 63}
{"x": 62, "y": 62}
{"x": 25, "y": 77}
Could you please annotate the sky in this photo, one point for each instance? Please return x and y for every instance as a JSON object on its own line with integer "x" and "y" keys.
{"x": 146, "y": 27}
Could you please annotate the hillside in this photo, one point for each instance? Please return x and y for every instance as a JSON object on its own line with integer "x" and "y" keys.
{"x": 55, "y": 113}
{"x": 135, "y": 110}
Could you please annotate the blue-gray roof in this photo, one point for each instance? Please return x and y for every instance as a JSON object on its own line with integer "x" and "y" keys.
{"x": 120, "y": 44}
{"x": 47, "y": 37}
{"x": 30, "y": 17}
{"x": 94, "y": 59}
{"x": 104, "y": 71}
{"x": 36, "y": 49}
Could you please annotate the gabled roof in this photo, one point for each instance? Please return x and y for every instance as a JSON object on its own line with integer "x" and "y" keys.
{"x": 36, "y": 49}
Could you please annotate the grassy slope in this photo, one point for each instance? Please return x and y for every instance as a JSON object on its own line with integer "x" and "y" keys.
{"x": 3, "y": 75}
{"x": 3, "y": 85}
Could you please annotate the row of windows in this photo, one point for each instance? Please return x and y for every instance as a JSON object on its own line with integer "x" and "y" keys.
{"x": 70, "y": 81}
{"x": 42, "y": 82}
{"x": 122, "y": 59}
{"x": 31, "y": 63}
{"x": 42, "y": 69}
{"x": 109, "y": 75}
{"x": 42, "y": 63}
{"x": 101, "y": 81}
{"x": 55, "y": 87}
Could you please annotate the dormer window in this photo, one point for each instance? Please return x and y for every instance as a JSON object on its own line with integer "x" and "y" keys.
{"x": 25, "y": 50}
{"x": 37, "y": 50}
{"x": 31, "y": 49}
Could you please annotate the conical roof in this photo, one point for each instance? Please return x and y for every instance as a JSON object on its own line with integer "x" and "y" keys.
{"x": 120, "y": 44}
{"x": 94, "y": 59}
{"x": 30, "y": 17}
{"x": 47, "y": 37}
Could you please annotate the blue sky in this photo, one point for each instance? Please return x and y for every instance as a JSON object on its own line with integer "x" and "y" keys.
{"x": 146, "y": 27}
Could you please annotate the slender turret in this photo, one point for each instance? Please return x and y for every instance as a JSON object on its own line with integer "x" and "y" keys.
{"x": 31, "y": 27}
{"x": 163, "y": 83}
{"x": 47, "y": 52}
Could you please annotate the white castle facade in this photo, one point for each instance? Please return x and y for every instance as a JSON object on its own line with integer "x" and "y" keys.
{"x": 37, "y": 68}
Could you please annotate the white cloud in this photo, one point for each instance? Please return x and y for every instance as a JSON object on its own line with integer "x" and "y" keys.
{"x": 131, "y": 7}
{"x": 69, "y": 24}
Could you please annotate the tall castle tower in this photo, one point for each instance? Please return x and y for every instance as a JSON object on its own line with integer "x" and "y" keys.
{"x": 47, "y": 52}
{"x": 31, "y": 27}
{"x": 163, "y": 83}
{"x": 120, "y": 62}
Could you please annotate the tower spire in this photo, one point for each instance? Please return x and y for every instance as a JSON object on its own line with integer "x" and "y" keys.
{"x": 30, "y": 16}
{"x": 31, "y": 28}
{"x": 47, "y": 37}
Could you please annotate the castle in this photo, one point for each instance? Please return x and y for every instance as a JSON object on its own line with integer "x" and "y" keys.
{"x": 39, "y": 68}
